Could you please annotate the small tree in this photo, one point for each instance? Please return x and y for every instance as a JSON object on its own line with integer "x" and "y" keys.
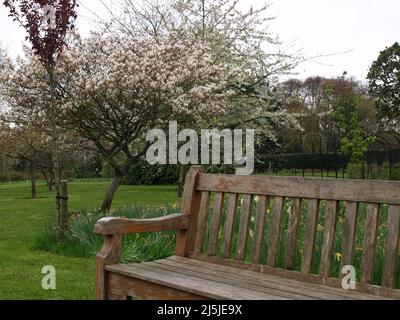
{"x": 344, "y": 101}
{"x": 25, "y": 143}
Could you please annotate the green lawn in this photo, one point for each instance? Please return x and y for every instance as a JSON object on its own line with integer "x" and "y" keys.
{"x": 23, "y": 220}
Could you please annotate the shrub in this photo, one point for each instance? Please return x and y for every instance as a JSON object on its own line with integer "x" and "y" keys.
{"x": 80, "y": 240}
{"x": 146, "y": 174}
{"x": 355, "y": 170}
{"x": 384, "y": 172}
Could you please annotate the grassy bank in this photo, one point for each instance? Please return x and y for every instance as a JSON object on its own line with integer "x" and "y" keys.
{"x": 22, "y": 223}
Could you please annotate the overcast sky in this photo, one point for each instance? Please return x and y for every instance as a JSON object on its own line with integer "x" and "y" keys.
{"x": 352, "y": 32}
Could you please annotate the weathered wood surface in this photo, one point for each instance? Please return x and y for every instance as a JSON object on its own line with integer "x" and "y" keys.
{"x": 110, "y": 253}
{"x": 128, "y": 288}
{"x": 293, "y": 187}
{"x": 189, "y": 283}
{"x": 110, "y": 226}
{"x": 185, "y": 240}
{"x": 377, "y": 291}
{"x": 222, "y": 282}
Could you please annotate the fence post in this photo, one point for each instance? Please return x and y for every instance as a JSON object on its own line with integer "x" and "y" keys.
{"x": 390, "y": 163}
{"x": 58, "y": 216}
{"x": 64, "y": 204}
{"x": 62, "y": 209}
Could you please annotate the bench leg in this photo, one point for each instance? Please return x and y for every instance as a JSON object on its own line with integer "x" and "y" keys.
{"x": 110, "y": 254}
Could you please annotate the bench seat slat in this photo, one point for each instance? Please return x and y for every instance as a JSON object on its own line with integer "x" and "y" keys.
{"x": 264, "y": 282}
{"x": 192, "y": 284}
{"x": 260, "y": 277}
{"x": 218, "y": 282}
{"x": 226, "y": 278}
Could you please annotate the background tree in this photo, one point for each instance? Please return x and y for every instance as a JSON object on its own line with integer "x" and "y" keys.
{"x": 330, "y": 110}
{"x": 24, "y": 143}
{"x": 25, "y": 91}
{"x": 384, "y": 84}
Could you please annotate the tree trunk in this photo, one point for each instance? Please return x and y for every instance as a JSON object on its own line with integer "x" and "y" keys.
{"x": 33, "y": 179}
{"x": 48, "y": 180}
{"x": 118, "y": 178}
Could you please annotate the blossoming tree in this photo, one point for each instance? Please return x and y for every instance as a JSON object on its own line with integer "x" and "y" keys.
{"x": 118, "y": 89}
{"x": 239, "y": 38}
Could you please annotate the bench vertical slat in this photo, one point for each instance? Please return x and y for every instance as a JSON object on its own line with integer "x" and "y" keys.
{"x": 229, "y": 223}
{"x": 292, "y": 233}
{"x": 215, "y": 222}
{"x": 391, "y": 248}
{"x": 273, "y": 243}
{"x": 259, "y": 230}
{"x": 331, "y": 213}
{"x": 244, "y": 227}
{"x": 190, "y": 206}
{"x": 369, "y": 243}
{"x": 349, "y": 234}
{"x": 309, "y": 235}
{"x": 202, "y": 221}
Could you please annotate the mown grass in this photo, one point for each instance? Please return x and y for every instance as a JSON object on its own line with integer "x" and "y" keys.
{"x": 23, "y": 222}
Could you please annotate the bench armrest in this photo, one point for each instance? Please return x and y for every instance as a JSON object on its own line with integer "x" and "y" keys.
{"x": 117, "y": 226}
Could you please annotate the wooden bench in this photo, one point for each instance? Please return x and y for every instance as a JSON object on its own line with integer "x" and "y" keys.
{"x": 263, "y": 238}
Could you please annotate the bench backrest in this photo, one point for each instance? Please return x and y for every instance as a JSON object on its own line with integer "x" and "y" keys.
{"x": 312, "y": 227}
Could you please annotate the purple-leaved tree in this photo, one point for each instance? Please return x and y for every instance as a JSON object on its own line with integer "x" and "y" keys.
{"x": 47, "y": 23}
